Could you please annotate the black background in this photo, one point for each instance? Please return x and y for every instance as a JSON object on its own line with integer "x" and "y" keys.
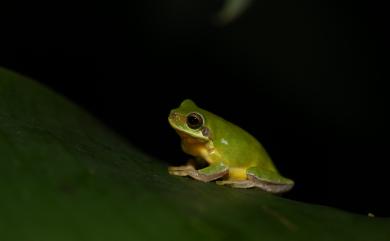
{"x": 306, "y": 78}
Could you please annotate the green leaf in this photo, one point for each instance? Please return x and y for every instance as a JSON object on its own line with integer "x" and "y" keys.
{"x": 64, "y": 176}
{"x": 231, "y": 10}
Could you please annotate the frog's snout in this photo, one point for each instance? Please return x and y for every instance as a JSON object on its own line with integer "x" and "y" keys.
{"x": 172, "y": 116}
{"x": 175, "y": 117}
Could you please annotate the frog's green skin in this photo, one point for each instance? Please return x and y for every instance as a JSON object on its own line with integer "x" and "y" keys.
{"x": 231, "y": 153}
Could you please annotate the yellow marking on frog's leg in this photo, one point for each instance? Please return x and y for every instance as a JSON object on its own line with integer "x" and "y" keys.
{"x": 237, "y": 178}
{"x": 237, "y": 173}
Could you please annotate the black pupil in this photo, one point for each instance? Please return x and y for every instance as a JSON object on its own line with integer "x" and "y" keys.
{"x": 194, "y": 121}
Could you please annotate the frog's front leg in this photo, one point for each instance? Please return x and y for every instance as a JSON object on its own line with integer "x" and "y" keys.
{"x": 210, "y": 173}
{"x": 207, "y": 174}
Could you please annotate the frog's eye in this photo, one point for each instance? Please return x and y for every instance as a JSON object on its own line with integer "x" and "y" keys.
{"x": 194, "y": 120}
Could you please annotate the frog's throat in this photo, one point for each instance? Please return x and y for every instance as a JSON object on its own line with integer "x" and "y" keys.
{"x": 197, "y": 147}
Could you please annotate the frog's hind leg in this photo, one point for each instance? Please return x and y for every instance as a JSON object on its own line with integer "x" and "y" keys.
{"x": 237, "y": 183}
{"x": 269, "y": 181}
{"x": 270, "y": 187}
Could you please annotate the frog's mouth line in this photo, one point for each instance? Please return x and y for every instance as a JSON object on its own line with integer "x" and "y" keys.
{"x": 190, "y": 138}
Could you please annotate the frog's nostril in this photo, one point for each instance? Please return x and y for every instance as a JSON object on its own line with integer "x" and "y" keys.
{"x": 173, "y": 115}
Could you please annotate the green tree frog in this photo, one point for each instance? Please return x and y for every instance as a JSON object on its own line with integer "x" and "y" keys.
{"x": 223, "y": 151}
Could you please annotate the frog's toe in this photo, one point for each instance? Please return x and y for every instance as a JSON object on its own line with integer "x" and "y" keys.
{"x": 178, "y": 173}
{"x": 181, "y": 170}
{"x": 237, "y": 183}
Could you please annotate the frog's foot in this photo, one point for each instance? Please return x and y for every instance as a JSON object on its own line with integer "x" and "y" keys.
{"x": 207, "y": 174}
{"x": 181, "y": 170}
{"x": 237, "y": 183}
{"x": 268, "y": 180}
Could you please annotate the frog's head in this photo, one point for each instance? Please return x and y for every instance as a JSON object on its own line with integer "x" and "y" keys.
{"x": 190, "y": 120}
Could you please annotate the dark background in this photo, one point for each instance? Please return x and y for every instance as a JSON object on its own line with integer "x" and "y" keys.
{"x": 306, "y": 78}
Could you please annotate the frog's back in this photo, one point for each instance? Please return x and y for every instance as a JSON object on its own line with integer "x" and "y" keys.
{"x": 237, "y": 147}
